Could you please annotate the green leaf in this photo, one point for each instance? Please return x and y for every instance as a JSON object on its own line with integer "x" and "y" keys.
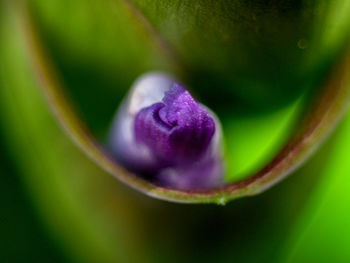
{"x": 320, "y": 119}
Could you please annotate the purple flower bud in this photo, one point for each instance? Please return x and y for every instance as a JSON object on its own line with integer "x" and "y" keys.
{"x": 162, "y": 133}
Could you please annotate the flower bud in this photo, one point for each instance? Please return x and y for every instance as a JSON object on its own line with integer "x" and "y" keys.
{"x": 162, "y": 133}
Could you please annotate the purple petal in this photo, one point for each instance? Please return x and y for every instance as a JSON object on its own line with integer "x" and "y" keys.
{"x": 178, "y": 130}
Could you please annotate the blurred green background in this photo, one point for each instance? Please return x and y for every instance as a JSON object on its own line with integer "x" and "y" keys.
{"x": 255, "y": 63}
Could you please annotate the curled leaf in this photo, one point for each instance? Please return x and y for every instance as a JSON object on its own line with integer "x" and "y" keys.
{"x": 325, "y": 112}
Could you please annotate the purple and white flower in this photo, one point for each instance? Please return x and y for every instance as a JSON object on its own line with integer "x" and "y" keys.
{"x": 163, "y": 134}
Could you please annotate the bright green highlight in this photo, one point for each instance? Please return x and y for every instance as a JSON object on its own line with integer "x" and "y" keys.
{"x": 323, "y": 232}
{"x": 250, "y": 142}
